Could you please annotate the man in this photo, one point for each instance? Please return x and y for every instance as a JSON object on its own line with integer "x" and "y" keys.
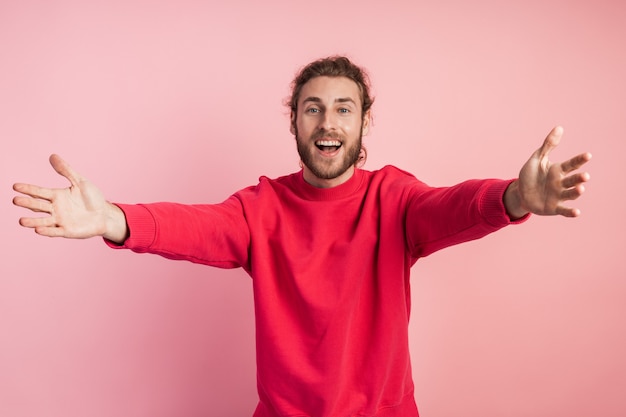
{"x": 329, "y": 248}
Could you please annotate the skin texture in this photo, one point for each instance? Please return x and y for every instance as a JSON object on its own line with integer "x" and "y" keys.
{"x": 329, "y": 109}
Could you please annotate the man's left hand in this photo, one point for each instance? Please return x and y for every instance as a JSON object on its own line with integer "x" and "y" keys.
{"x": 543, "y": 186}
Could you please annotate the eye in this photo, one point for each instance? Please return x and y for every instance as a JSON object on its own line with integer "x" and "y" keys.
{"x": 313, "y": 110}
{"x": 344, "y": 110}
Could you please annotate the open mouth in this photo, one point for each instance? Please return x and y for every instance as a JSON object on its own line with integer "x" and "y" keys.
{"x": 328, "y": 145}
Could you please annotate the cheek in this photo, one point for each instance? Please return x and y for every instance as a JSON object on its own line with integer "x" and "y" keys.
{"x": 304, "y": 128}
{"x": 353, "y": 126}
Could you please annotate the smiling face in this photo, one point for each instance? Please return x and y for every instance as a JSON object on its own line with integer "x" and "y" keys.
{"x": 328, "y": 127}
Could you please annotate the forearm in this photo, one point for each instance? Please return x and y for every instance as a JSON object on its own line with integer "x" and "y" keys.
{"x": 447, "y": 216}
{"x": 210, "y": 234}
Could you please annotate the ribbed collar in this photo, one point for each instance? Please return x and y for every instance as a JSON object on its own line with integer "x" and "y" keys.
{"x": 310, "y": 192}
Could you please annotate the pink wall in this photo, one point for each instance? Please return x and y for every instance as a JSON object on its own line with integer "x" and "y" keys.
{"x": 182, "y": 101}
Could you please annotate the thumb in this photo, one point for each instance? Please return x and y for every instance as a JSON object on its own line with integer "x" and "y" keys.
{"x": 64, "y": 169}
{"x": 551, "y": 142}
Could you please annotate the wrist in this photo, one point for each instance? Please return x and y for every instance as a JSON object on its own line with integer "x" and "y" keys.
{"x": 513, "y": 201}
{"x": 116, "y": 227}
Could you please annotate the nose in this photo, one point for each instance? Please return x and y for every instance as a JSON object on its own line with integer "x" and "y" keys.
{"x": 327, "y": 121}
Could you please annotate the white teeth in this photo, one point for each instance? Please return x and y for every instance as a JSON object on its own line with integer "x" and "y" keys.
{"x": 328, "y": 143}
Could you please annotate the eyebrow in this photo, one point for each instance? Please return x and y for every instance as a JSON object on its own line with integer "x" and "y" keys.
{"x": 337, "y": 100}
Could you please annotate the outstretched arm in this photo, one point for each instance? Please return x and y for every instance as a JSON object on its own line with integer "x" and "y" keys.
{"x": 79, "y": 211}
{"x": 543, "y": 186}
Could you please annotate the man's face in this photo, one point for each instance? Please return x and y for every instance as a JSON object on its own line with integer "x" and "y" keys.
{"x": 328, "y": 128}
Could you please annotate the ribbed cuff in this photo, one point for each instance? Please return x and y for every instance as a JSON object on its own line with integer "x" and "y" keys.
{"x": 141, "y": 226}
{"x": 491, "y": 204}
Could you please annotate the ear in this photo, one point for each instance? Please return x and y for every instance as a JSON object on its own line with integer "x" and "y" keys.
{"x": 292, "y": 127}
{"x": 367, "y": 120}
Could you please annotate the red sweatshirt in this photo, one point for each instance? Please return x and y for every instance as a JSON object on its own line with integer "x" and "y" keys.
{"x": 330, "y": 270}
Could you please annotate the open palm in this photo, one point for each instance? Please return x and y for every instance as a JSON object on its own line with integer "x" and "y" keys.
{"x": 544, "y": 185}
{"x": 79, "y": 211}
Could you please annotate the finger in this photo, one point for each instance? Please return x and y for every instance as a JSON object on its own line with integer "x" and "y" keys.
{"x": 567, "y": 211}
{"x": 575, "y": 162}
{"x": 574, "y": 180}
{"x": 34, "y": 191}
{"x": 37, "y": 222}
{"x": 33, "y": 204}
{"x": 551, "y": 141}
{"x": 64, "y": 169}
{"x": 50, "y": 231}
{"x": 573, "y": 193}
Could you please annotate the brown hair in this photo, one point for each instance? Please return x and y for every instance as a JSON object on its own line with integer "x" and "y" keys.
{"x": 333, "y": 66}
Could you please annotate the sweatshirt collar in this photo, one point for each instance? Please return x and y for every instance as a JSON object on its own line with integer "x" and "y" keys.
{"x": 310, "y": 192}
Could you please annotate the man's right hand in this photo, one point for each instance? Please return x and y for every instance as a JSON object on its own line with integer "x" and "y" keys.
{"x": 79, "y": 211}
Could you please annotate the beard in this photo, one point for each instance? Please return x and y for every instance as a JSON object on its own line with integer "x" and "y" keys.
{"x": 328, "y": 169}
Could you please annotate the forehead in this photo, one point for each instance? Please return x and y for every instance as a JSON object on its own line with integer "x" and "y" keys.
{"x": 330, "y": 89}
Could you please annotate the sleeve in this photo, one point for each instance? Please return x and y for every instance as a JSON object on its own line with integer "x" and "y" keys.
{"x": 210, "y": 234}
{"x": 440, "y": 217}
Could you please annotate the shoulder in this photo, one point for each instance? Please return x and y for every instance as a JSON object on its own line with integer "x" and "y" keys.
{"x": 395, "y": 171}
{"x": 392, "y": 185}
{"x": 268, "y": 186}
{"x": 393, "y": 176}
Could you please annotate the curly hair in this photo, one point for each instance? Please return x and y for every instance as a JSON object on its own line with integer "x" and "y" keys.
{"x": 333, "y": 66}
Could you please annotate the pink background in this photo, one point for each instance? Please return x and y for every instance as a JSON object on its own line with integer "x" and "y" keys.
{"x": 182, "y": 101}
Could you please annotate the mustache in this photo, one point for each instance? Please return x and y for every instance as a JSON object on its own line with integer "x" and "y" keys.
{"x": 324, "y": 134}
